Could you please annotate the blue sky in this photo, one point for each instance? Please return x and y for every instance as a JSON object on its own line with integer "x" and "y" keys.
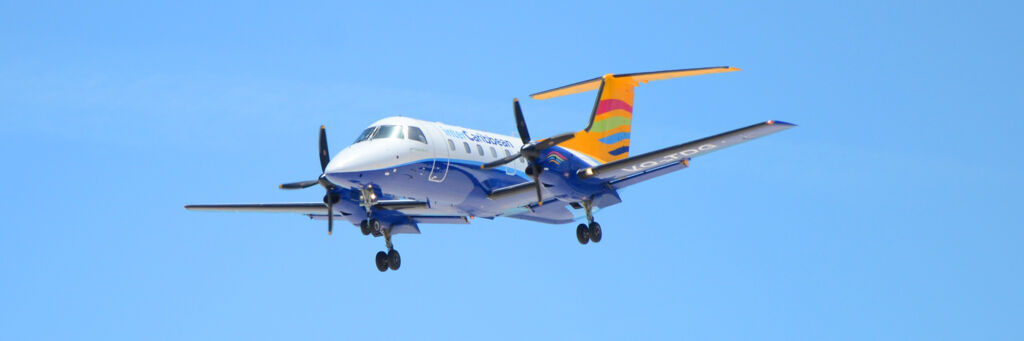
{"x": 892, "y": 212}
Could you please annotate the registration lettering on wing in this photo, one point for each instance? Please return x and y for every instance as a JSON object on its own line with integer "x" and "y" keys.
{"x": 668, "y": 159}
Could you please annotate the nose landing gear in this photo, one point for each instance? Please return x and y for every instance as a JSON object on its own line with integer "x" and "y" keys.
{"x": 369, "y": 226}
{"x": 384, "y": 260}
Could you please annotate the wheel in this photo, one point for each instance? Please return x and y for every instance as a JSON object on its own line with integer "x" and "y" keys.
{"x": 373, "y": 225}
{"x": 582, "y": 235}
{"x": 364, "y": 228}
{"x": 382, "y": 261}
{"x": 595, "y": 232}
{"x": 394, "y": 259}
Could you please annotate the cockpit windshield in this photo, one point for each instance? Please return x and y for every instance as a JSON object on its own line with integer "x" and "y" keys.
{"x": 392, "y": 131}
{"x": 365, "y": 135}
{"x": 385, "y": 132}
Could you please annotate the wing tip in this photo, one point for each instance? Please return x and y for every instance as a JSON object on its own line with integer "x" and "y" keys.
{"x": 784, "y": 123}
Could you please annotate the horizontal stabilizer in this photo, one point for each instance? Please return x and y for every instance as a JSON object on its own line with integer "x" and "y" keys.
{"x": 680, "y": 154}
{"x": 641, "y": 77}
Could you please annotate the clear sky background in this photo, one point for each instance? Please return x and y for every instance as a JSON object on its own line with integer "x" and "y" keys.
{"x": 892, "y": 212}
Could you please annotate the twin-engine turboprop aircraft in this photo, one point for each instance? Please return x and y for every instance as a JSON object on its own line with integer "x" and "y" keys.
{"x": 402, "y": 172}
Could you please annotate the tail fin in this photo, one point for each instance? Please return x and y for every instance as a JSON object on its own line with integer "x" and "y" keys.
{"x": 606, "y": 137}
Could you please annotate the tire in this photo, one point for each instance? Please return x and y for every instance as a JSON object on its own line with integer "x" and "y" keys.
{"x": 382, "y": 261}
{"x": 595, "y": 232}
{"x": 373, "y": 225}
{"x": 582, "y": 234}
{"x": 363, "y": 228}
{"x": 394, "y": 259}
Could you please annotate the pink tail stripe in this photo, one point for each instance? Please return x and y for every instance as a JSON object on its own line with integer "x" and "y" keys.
{"x": 613, "y": 104}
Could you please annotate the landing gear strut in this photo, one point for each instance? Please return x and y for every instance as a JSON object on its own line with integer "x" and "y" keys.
{"x": 368, "y": 198}
{"x": 588, "y": 232}
{"x": 388, "y": 260}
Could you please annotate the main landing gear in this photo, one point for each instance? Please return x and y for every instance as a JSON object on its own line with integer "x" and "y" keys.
{"x": 588, "y": 232}
{"x": 385, "y": 260}
{"x": 391, "y": 259}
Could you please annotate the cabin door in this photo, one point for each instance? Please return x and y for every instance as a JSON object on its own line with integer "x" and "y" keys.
{"x": 442, "y": 156}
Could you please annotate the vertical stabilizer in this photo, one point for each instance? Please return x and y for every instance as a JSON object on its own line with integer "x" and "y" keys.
{"x": 607, "y": 136}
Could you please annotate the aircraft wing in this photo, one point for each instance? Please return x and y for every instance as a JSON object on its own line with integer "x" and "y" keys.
{"x": 412, "y": 209}
{"x": 642, "y": 167}
{"x": 303, "y": 207}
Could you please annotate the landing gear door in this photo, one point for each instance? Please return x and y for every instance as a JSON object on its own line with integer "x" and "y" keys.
{"x": 442, "y": 156}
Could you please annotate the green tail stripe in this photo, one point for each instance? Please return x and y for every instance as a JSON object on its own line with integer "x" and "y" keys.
{"x": 609, "y": 124}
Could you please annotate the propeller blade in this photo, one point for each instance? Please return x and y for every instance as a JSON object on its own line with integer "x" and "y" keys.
{"x": 330, "y": 215}
{"x": 552, "y": 141}
{"x": 540, "y": 199}
{"x": 328, "y": 186}
{"x": 325, "y": 157}
{"x": 500, "y": 162}
{"x": 521, "y": 122}
{"x": 299, "y": 185}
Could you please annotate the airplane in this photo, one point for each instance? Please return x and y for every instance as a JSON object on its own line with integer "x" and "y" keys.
{"x": 402, "y": 172}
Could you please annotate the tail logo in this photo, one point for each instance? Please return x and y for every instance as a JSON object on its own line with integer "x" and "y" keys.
{"x": 555, "y": 157}
{"x": 606, "y": 119}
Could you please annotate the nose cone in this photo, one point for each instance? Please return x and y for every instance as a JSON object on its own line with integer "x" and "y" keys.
{"x": 357, "y": 158}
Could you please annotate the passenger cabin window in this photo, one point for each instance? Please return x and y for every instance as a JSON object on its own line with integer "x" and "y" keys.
{"x": 451, "y": 145}
{"x": 416, "y": 134}
{"x": 507, "y": 153}
{"x": 480, "y": 149}
{"x": 388, "y": 131}
{"x": 494, "y": 153}
{"x": 468, "y": 151}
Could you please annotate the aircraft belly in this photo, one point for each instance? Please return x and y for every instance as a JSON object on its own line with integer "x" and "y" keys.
{"x": 463, "y": 191}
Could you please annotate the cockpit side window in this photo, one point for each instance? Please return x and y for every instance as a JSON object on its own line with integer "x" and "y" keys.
{"x": 417, "y": 135}
{"x": 388, "y": 131}
{"x": 366, "y": 134}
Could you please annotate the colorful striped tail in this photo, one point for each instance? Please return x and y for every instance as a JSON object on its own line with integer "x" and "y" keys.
{"x": 606, "y": 138}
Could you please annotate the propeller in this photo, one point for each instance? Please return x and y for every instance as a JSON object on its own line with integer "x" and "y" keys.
{"x": 329, "y": 199}
{"x": 531, "y": 150}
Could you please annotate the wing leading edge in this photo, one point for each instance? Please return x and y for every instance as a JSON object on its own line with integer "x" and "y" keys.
{"x": 303, "y": 208}
{"x": 677, "y": 157}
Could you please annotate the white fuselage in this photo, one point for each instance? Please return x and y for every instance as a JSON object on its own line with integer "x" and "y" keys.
{"x": 439, "y": 168}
